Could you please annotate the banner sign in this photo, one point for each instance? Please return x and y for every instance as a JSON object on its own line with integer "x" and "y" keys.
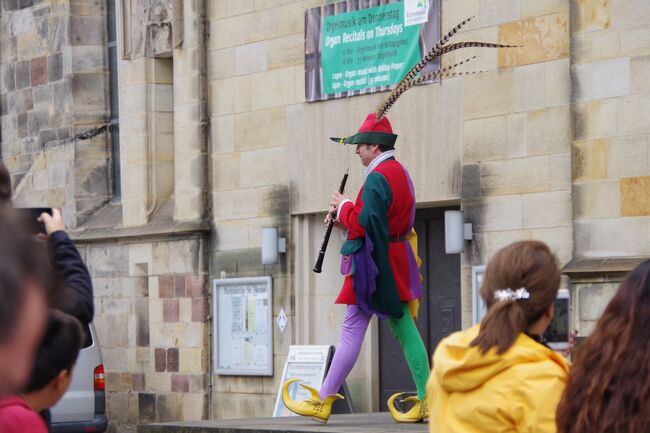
{"x": 351, "y": 50}
{"x": 367, "y": 48}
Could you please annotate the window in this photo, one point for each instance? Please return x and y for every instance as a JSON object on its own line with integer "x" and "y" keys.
{"x": 114, "y": 113}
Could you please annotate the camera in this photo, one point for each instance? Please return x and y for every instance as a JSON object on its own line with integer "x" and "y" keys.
{"x": 29, "y": 218}
{"x": 558, "y": 332}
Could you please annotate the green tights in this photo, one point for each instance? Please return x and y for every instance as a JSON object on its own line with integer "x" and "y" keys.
{"x": 409, "y": 338}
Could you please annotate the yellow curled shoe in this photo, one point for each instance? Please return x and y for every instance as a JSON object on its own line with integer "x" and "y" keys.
{"x": 418, "y": 413}
{"x": 319, "y": 410}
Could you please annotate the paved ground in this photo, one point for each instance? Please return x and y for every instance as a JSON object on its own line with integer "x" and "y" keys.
{"x": 356, "y": 423}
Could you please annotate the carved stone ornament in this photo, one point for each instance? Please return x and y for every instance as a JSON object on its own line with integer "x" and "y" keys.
{"x": 151, "y": 28}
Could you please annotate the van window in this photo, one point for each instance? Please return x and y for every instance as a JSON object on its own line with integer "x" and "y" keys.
{"x": 88, "y": 340}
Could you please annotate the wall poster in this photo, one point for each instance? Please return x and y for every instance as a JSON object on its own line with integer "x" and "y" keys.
{"x": 242, "y": 326}
{"x": 355, "y": 47}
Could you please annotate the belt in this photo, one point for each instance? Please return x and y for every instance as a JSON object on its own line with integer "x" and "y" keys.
{"x": 398, "y": 238}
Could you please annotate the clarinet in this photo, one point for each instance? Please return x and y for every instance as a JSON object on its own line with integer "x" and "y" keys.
{"x": 318, "y": 267}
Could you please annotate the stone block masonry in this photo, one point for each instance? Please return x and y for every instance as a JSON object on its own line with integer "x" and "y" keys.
{"x": 46, "y": 102}
{"x": 152, "y": 328}
{"x": 610, "y": 162}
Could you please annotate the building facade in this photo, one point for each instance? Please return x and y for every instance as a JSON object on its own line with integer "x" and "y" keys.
{"x": 171, "y": 132}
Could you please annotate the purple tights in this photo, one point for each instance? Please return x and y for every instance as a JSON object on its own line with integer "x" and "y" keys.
{"x": 352, "y": 333}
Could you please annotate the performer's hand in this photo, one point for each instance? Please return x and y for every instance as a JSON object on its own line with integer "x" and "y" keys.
{"x": 337, "y": 198}
{"x": 329, "y": 216}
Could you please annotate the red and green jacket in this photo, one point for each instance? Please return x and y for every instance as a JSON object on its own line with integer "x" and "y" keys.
{"x": 379, "y": 264}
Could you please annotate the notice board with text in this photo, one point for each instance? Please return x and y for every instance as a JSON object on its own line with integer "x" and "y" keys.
{"x": 242, "y": 327}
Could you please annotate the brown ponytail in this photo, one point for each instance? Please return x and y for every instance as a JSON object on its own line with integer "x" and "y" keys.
{"x": 528, "y": 264}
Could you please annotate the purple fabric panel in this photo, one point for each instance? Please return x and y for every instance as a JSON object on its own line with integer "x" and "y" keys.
{"x": 364, "y": 277}
{"x": 412, "y": 189}
{"x": 346, "y": 355}
{"x": 346, "y": 265}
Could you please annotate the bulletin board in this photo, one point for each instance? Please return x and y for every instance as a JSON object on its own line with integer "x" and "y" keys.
{"x": 242, "y": 327}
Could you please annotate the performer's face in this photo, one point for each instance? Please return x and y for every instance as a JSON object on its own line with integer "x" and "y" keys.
{"x": 367, "y": 152}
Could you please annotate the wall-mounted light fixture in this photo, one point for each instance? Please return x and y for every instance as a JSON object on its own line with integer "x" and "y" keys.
{"x": 272, "y": 245}
{"x": 457, "y": 231}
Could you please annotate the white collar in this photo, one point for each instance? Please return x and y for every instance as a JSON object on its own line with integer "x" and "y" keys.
{"x": 378, "y": 160}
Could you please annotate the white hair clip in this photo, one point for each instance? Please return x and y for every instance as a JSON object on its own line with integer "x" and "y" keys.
{"x": 511, "y": 295}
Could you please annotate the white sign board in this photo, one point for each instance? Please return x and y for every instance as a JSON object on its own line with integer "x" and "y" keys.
{"x": 416, "y": 12}
{"x": 307, "y": 363}
{"x": 478, "y": 305}
{"x": 242, "y": 326}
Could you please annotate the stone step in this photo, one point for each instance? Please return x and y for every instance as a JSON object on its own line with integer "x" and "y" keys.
{"x": 354, "y": 423}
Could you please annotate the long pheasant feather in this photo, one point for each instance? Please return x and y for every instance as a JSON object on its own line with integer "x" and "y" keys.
{"x": 426, "y": 59}
{"x": 433, "y": 76}
{"x": 401, "y": 89}
{"x": 437, "y": 47}
{"x": 404, "y": 85}
{"x": 440, "y": 72}
{"x": 459, "y": 45}
{"x": 447, "y": 74}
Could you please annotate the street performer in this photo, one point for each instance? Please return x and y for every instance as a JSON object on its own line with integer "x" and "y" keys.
{"x": 380, "y": 267}
{"x": 380, "y": 260}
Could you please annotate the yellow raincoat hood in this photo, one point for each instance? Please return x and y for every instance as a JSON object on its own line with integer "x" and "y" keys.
{"x": 516, "y": 391}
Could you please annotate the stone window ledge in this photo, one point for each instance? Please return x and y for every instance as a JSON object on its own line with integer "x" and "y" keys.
{"x": 601, "y": 269}
{"x": 106, "y": 225}
{"x": 164, "y": 230}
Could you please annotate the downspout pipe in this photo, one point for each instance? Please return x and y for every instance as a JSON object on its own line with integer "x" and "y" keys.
{"x": 204, "y": 134}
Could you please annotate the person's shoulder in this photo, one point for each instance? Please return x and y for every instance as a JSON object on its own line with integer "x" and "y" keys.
{"x": 536, "y": 357}
{"x": 391, "y": 168}
{"x": 16, "y": 417}
{"x": 539, "y": 370}
{"x": 538, "y": 379}
{"x": 388, "y": 164}
{"x": 374, "y": 177}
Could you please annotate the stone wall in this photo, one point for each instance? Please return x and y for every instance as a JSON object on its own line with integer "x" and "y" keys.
{"x": 146, "y": 253}
{"x": 152, "y": 283}
{"x": 53, "y": 104}
{"x": 610, "y": 64}
{"x": 151, "y": 316}
{"x": 255, "y": 71}
{"x": 550, "y": 143}
{"x": 498, "y": 144}
{"x": 163, "y": 131}
{"x": 611, "y": 168}
{"x": 516, "y": 129}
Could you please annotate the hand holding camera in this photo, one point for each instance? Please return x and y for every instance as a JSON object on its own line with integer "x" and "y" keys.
{"x": 52, "y": 222}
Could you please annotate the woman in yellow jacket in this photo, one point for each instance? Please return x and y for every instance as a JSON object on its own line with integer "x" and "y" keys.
{"x": 499, "y": 377}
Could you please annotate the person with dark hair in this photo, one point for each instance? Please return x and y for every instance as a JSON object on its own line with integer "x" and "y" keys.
{"x": 498, "y": 376}
{"x": 76, "y": 297}
{"x": 24, "y": 282}
{"x": 51, "y": 376}
{"x": 609, "y": 384}
{"x": 75, "y": 294}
